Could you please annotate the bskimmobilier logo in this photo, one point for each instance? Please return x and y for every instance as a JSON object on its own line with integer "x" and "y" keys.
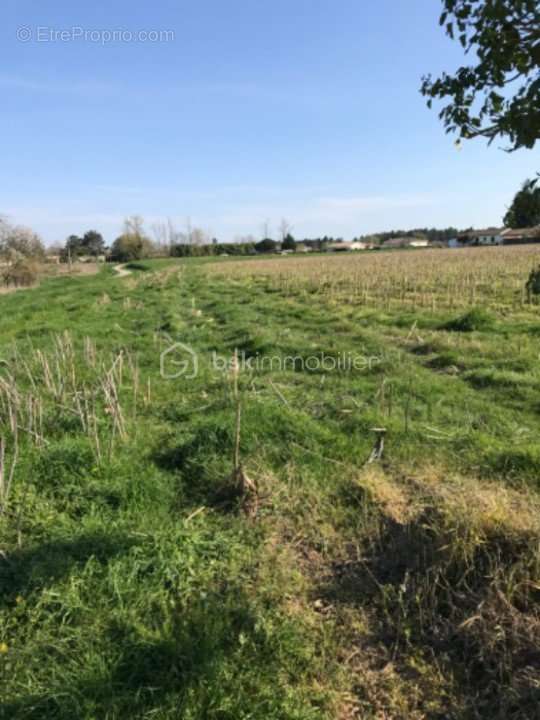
{"x": 179, "y": 360}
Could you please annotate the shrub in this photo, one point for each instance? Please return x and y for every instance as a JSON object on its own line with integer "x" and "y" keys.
{"x": 20, "y": 273}
{"x": 130, "y": 247}
{"x": 266, "y": 246}
{"x": 289, "y": 243}
{"x": 186, "y": 250}
{"x": 16, "y": 241}
{"x": 475, "y": 319}
{"x": 533, "y": 283}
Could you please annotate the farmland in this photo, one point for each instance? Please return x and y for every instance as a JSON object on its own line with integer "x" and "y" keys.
{"x": 434, "y": 279}
{"x": 295, "y": 539}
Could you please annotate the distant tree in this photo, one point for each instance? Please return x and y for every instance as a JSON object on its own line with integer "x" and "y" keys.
{"x": 93, "y": 243}
{"x": 134, "y": 225}
{"x": 72, "y": 249}
{"x": 17, "y": 241}
{"x": 240, "y": 239}
{"x": 128, "y": 247}
{"x": 266, "y": 245}
{"x": 199, "y": 236}
{"x": 189, "y": 231}
{"x": 133, "y": 244}
{"x": 160, "y": 230}
{"x": 265, "y": 229}
{"x": 499, "y": 94}
{"x": 285, "y": 228}
{"x": 288, "y": 242}
{"x": 166, "y": 235}
{"x": 4, "y": 229}
{"x": 525, "y": 208}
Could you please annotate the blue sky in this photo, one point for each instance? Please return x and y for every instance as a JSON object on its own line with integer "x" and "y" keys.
{"x": 304, "y": 109}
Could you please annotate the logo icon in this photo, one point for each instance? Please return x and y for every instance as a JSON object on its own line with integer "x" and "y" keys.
{"x": 24, "y": 34}
{"x": 179, "y": 360}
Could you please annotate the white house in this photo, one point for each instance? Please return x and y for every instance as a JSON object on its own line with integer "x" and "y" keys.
{"x": 403, "y": 242}
{"x": 347, "y": 246}
{"x": 490, "y": 236}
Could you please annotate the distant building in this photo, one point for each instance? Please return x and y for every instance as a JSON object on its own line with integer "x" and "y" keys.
{"x": 346, "y": 246}
{"x": 301, "y": 248}
{"x": 490, "y": 236}
{"x": 91, "y": 258}
{"x": 403, "y": 242}
{"x": 521, "y": 235}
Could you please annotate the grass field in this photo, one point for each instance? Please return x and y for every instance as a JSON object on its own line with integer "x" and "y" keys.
{"x": 332, "y": 513}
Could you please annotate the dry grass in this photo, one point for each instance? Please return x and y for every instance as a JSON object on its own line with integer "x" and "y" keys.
{"x": 8, "y": 290}
{"x": 486, "y": 507}
{"x": 64, "y": 269}
{"x": 451, "y": 582}
{"x": 47, "y": 270}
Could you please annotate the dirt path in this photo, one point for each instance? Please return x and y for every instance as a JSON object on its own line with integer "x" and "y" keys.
{"x": 121, "y": 271}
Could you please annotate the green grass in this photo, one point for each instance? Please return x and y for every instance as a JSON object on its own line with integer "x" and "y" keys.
{"x": 135, "y": 582}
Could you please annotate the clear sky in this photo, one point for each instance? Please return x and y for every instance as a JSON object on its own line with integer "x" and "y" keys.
{"x": 308, "y": 109}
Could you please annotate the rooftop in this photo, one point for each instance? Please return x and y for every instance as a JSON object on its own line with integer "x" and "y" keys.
{"x": 531, "y": 232}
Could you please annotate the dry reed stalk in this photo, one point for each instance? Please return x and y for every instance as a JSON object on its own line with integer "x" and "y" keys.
{"x": 90, "y": 352}
{"x": 7, "y": 470}
{"x": 56, "y": 385}
{"x": 136, "y": 383}
{"x": 148, "y": 394}
{"x": 113, "y": 407}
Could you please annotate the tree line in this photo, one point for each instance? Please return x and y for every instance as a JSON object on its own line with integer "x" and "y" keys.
{"x": 21, "y": 248}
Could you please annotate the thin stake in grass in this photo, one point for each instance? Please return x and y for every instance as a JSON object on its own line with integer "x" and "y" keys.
{"x": 241, "y": 481}
{"x": 378, "y": 448}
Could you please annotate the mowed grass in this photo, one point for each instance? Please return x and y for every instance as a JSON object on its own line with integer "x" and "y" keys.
{"x": 137, "y": 581}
